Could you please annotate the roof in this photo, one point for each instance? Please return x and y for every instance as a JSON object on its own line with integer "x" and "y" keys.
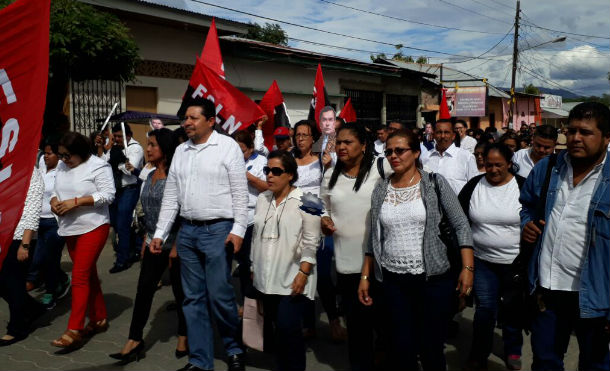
{"x": 567, "y": 106}
{"x": 552, "y": 113}
{"x": 259, "y": 50}
{"x": 451, "y": 76}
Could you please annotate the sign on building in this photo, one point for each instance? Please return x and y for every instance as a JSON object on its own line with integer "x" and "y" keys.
{"x": 467, "y": 101}
{"x": 550, "y": 101}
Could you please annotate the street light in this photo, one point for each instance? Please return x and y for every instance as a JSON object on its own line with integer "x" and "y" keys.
{"x": 557, "y": 40}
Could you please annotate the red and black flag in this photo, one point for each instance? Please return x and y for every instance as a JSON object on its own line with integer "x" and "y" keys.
{"x": 275, "y": 109}
{"x": 319, "y": 99}
{"x": 348, "y": 113}
{"x": 210, "y": 55}
{"x": 234, "y": 109}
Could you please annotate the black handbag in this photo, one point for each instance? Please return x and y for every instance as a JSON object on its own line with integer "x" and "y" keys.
{"x": 447, "y": 234}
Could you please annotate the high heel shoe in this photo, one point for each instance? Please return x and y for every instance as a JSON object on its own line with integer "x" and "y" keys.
{"x": 181, "y": 353}
{"x": 133, "y": 355}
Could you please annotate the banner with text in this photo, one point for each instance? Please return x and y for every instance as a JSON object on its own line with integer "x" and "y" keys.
{"x": 467, "y": 101}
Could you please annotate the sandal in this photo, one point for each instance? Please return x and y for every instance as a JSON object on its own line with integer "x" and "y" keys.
{"x": 94, "y": 328}
{"x": 69, "y": 340}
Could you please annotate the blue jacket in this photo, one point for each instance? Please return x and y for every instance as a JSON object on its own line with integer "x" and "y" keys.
{"x": 594, "y": 292}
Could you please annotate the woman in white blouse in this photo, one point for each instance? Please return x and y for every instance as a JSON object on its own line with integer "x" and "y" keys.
{"x": 84, "y": 187}
{"x": 285, "y": 238}
{"x": 346, "y": 192}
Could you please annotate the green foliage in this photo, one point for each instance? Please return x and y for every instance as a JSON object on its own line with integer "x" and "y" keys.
{"x": 270, "y": 33}
{"x": 422, "y": 60}
{"x": 403, "y": 58}
{"x": 531, "y": 89}
{"x": 605, "y": 99}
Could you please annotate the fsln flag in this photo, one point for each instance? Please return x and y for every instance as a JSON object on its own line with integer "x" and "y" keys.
{"x": 210, "y": 55}
{"x": 275, "y": 109}
{"x": 24, "y": 69}
{"x": 234, "y": 110}
{"x": 319, "y": 99}
{"x": 444, "y": 113}
{"x": 347, "y": 113}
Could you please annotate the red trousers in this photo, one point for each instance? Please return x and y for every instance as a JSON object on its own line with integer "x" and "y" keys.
{"x": 84, "y": 251}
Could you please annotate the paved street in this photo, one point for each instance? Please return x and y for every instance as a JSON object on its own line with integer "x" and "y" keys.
{"x": 35, "y": 353}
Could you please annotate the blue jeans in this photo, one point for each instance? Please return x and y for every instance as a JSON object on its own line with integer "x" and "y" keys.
{"x": 206, "y": 280}
{"x": 283, "y": 315}
{"x": 552, "y": 327}
{"x": 494, "y": 285}
{"x": 121, "y": 216}
{"x": 419, "y": 309}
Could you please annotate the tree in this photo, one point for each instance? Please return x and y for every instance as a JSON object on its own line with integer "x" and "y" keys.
{"x": 531, "y": 89}
{"x": 422, "y": 60}
{"x": 270, "y": 33}
{"x": 84, "y": 44}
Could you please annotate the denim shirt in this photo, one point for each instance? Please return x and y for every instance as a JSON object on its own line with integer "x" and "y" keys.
{"x": 594, "y": 292}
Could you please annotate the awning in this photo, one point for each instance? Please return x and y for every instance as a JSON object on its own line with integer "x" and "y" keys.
{"x": 554, "y": 113}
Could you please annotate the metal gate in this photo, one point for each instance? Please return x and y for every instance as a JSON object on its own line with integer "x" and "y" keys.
{"x": 92, "y": 100}
{"x": 401, "y": 108}
{"x": 367, "y": 104}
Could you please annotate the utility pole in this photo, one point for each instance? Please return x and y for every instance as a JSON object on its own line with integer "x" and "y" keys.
{"x": 515, "y": 57}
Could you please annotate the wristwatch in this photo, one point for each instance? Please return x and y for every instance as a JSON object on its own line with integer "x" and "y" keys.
{"x": 26, "y": 246}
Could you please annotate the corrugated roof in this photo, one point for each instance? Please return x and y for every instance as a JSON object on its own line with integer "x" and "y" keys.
{"x": 188, "y": 6}
{"x": 451, "y": 76}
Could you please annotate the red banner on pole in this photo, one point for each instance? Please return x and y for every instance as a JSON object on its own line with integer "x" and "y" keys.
{"x": 210, "y": 55}
{"x": 319, "y": 99}
{"x": 348, "y": 113}
{"x": 24, "y": 70}
{"x": 444, "y": 113}
{"x": 234, "y": 109}
{"x": 275, "y": 109}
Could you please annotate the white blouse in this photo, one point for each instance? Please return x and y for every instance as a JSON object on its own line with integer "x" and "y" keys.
{"x": 30, "y": 217}
{"x": 91, "y": 178}
{"x": 310, "y": 178}
{"x": 283, "y": 237}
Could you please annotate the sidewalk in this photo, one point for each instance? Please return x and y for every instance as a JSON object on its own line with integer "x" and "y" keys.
{"x": 36, "y": 353}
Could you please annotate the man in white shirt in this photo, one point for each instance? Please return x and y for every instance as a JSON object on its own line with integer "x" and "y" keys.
{"x": 543, "y": 144}
{"x": 124, "y": 163}
{"x": 457, "y": 165}
{"x": 382, "y": 136}
{"x": 570, "y": 266}
{"x": 466, "y": 142}
{"x": 207, "y": 186}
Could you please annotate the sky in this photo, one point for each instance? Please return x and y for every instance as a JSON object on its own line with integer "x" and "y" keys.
{"x": 580, "y": 64}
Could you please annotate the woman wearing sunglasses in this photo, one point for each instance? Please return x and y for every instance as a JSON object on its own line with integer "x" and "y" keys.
{"x": 84, "y": 187}
{"x": 284, "y": 243}
{"x": 410, "y": 258}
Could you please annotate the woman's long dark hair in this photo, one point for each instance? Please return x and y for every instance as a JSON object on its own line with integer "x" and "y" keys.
{"x": 167, "y": 142}
{"x": 359, "y": 131}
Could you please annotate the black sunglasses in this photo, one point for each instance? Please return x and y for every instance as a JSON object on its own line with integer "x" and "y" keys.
{"x": 399, "y": 151}
{"x": 276, "y": 171}
{"x": 64, "y": 156}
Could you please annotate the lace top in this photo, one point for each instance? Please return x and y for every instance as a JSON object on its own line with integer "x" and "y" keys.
{"x": 310, "y": 178}
{"x": 403, "y": 217}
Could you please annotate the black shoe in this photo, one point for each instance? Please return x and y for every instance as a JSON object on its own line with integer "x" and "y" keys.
{"x": 191, "y": 367}
{"x": 133, "y": 355}
{"x": 5, "y": 343}
{"x": 236, "y": 362}
{"x": 181, "y": 353}
{"x": 116, "y": 268}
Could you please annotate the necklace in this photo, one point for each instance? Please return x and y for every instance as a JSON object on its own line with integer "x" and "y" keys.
{"x": 285, "y": 200}
{"x": 348, "y": 176}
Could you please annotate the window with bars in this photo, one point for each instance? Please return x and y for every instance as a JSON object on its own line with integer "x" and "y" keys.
{"x": 401, "y": 108}
{"x": 92, "y": 100}
{"x": 366, "y": 103}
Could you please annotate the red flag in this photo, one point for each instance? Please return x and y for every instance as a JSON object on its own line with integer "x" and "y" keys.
{"x": 234, "y": 110}
{"x": 275, "y": 109}
{"x": 210, "y": 55}
{"x": 444, "y": 109}
{"x": 24, "y": 69}
{"x": 347, "y": 113}
{"x": 319, "y": 99}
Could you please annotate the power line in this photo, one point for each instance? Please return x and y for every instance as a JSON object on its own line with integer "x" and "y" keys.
{"x": 504, "y": 5}
{"x": 407, "y": 20}
{"x": 397, "y": 45}
{"x": 488, "y": 50}
{"x": 563, "y": 32}
{"x": 492, "y": 7}
{"x": 542, "y": 78}
{"x": 474, "y": 12}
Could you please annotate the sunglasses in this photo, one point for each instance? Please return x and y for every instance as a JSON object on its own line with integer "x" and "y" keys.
{"x": 399, "y": 151}
{"x": 64, "y": 156}
{"x": 276, "y": 171}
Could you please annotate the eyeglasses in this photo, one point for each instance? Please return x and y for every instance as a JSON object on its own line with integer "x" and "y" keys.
{"x": 399, "y": 151}
{"x": 298, "y": 136}
{"x": 477, "y": 154}
{"x": 276, "y": 171}
{"x": 64, "y": 156}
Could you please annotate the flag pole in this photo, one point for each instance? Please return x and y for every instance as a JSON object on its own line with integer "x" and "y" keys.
{"x": 108, "y": 118}
{"x": 124, "y": 138}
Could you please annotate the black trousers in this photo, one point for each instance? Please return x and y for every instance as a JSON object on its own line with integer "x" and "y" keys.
{"x": 153, "y": 266}
{"x": 22, "y": 307}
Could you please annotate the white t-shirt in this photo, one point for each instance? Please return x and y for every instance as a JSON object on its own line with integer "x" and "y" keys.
{"x": 468, "y": 143}
{"x": 350, "y": 211}
{"x": 254, "y": 166}
{"x": 494, "y": 213}
{"x": 524, "y": 160}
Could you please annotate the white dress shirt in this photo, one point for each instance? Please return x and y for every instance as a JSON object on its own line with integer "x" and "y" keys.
{"x": 379, "y": 147}
{"x": 91, "y": 178}
{"x": 457, "y": 165}
{"x": 135, "y": 154}
{"x": 468, "y": 143}
{"x": 30, "y": 217}
{"x": 206, "y": 181}
{"x": 563, "y": 246}
{"x": 49, "y": 187}
{"x": 284, "y": 236}
{"x": 254, "y": 166}
{"x": 259, "y": 143}
{"x": 524, "y": 160}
